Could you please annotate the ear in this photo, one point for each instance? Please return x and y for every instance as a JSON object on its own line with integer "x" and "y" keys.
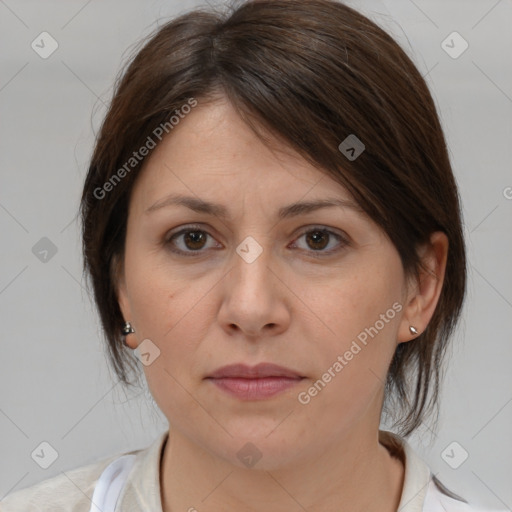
{"x": 424, "y": 290}
{"x": 119, "y": 283}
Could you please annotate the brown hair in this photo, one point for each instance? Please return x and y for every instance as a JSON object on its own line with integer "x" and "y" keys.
{"x": 312, "y": 72}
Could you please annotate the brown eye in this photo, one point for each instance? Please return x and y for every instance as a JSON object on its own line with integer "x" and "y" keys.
{"x": 194, "y": 239}
{"x": 317, "y": 239}
{"x": 189, "y": 241}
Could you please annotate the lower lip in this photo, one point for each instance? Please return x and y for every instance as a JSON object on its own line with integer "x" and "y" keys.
{"x": 255, "y": 389}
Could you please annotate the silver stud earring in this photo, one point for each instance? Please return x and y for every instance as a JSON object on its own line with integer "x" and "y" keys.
{"x": 128, "y": 329}
{"x": 413, "y": 330}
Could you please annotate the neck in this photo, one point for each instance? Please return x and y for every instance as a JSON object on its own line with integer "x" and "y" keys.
{"x": 357, "y": 473}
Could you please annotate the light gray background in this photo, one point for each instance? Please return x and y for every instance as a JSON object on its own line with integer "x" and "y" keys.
{"x": 55, "y": 385}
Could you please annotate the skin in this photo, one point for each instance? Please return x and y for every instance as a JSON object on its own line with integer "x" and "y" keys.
{"x": 287, "y": 307}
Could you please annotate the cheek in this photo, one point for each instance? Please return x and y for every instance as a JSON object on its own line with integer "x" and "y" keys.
{"x": 172, "y": 311}
{"x": 361, "y": 314}
{"x": 175, "y": 316}
{"x": 160, "y": 297}
{"x": 355, "y": 302}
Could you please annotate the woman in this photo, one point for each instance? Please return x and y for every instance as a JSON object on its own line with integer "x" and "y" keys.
{"x": 271, "y": 220}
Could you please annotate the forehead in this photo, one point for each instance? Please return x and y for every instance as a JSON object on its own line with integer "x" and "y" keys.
{"x": 213, "y": 153}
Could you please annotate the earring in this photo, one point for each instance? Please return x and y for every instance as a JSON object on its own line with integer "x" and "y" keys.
{"x": 128, "y": 329}
{"x": 413, "y": 330}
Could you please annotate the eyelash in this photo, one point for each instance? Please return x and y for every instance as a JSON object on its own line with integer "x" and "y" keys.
{"x": 316, "y": 254}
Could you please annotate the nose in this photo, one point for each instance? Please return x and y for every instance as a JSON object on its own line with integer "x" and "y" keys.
{"x": 256, "y": 301}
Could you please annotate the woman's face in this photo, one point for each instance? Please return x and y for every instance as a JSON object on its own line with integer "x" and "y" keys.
{"x": 320, "y": 291}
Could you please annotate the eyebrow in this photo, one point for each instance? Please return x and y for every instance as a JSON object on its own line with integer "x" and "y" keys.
{"x": 218, "y": 210}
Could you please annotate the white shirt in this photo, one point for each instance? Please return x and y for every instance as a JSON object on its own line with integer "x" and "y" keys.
{"x": 131, "y": 482}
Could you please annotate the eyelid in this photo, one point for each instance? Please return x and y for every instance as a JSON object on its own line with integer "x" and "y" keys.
{"x": 327, "y": 229}
{"x": 182, "y": 230}
{"x": 343, "y": 239}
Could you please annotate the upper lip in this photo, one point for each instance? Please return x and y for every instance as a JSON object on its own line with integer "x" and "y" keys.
{"x": 259, "y": 371}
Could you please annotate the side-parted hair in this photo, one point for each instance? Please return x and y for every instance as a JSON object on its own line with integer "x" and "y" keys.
{"x": 311, "y": 73}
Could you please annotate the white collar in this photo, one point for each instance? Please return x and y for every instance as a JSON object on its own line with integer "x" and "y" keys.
{"x": 419, "y": 492}
{"x": 417, "y": 475}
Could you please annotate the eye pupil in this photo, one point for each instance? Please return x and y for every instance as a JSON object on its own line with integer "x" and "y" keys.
{"x": 195, "y": 237}
{"x": 317, "y": 237}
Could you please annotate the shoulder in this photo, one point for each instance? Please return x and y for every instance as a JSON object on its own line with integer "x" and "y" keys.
{"x": 422, "y": 491}
{"x": 437, "y": 501}
{"x": 69, "y": 490}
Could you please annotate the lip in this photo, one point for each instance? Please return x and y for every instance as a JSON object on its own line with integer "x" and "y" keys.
{"x": 260, "y": 371}
{"x": 254, "y": 383}
{"x": 255, "y": 389}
